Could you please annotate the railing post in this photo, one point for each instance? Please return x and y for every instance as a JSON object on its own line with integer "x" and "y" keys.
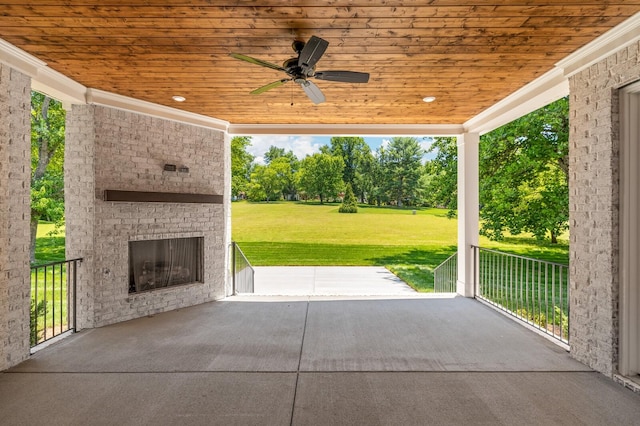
{"x": 75, "y": 294}
{"x": 476, "y": 271}
{"x": 233, "y": 268}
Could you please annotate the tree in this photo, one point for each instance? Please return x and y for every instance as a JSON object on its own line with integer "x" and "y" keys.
{"x": 272, "y": 153}
{"x": 402, "y": 166}
{"x": 377, "y": 175}
{"x": 365, "y": 179}
{"x": 321, "y": 175}
{"x": 353, "y": 151}
{"x": 289, "y": 190}
{"x": 349, "y": 204}
{"x": 268, "y": 181}
{"x": 240, "y": 164}
{"x": 441, "y": 181}
{"x": 524, "y": 175}
{"x": 47, "y": 159}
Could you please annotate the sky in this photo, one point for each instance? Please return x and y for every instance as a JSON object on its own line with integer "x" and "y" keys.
{"x": 308, "y": 145}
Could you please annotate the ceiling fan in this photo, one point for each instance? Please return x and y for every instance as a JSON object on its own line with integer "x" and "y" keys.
{"x": 303, "y": 67}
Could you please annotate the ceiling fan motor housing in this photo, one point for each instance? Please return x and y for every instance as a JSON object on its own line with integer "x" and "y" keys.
{"x": 297, "y": 46}
{"x": 295, "y": 70}
{"x": 290, "y": 64}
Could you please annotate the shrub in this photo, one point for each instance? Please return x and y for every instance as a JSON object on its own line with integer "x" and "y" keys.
{"x": 561, "y": 320}
{"x": 349, "y": 204}
{"x": 37, "y": 311}
{"x": 535, "y": 317}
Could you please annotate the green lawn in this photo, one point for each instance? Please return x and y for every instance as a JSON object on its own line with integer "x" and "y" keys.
{"x": 49, "y": 286}
{"x": 411, "y": 245}
{"x": 49, "y": 243}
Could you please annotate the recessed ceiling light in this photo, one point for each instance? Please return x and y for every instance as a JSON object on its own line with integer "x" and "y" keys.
{"x": 179, "y": 98}
{"x": 429, "y": 99}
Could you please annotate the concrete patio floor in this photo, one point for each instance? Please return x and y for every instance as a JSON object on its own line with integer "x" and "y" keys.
{"x": 328, "y": 280}
{"x": 312, "y": 361}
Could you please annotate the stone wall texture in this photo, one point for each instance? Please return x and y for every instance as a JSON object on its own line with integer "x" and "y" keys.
{"x": 118, "y": 150}
{"x": 594, "y": 207}
{"x": 15, "y": 199}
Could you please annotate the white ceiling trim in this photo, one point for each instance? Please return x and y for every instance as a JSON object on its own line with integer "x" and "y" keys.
{"x": 100, "y": 97}
{"x": 19, "y": 60}
{"x": 555, "y": 84}
{"x": 43, "y": 78}
{"x": 346, "y": 129}
{"x": 69, "y": 92}
{"x": 540, "y": 92}
{"x": 613, "y": 40}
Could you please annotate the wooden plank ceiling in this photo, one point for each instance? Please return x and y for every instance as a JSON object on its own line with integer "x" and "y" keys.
{"x": 469, "y": 54}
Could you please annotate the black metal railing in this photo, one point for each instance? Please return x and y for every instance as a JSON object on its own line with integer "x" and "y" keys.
{"x": 445, "y": 275}
{"x": 531, "y": 290}
{"x": 53, "y": 300}
{"x": 242, "y": 271}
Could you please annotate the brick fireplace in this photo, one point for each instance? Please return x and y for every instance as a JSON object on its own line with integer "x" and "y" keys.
{"x": 110, "y": 152}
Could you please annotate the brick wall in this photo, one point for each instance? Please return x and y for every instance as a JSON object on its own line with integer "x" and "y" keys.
{"x": 594, "y": 205}
{"x": 79, "y": 192}
{"x": 15, "y": 168}
{"x": 126, "y": 151}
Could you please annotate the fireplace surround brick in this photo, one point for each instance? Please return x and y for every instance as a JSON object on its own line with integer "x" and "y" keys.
{"x": 127, "y": 151}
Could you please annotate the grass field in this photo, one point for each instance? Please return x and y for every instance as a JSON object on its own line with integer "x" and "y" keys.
{"x": 48, "y": 287}
{"x": 411, "y": 245}
{"x": 49, "y": 243}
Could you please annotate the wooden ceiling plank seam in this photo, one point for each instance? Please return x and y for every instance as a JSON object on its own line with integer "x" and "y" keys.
{"x": 332, "y": 23}
{"x": 284, "y": 33}
{"x": 318, "y": 12}
{"x": 201, "y": 4}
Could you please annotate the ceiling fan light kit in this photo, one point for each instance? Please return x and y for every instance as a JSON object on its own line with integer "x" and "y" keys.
{"x": 303, "y": 67}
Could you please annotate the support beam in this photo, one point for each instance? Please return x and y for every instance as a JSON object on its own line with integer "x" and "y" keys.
{"x": 468, "y": 210}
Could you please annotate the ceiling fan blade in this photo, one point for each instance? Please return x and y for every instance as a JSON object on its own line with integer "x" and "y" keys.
{"x": 312, "y": 52}
{"x": 312, "y": 91}
{"x": 256, "y": 61}
{"x": 343, "y": 76}
{"x": 269, "y": 86}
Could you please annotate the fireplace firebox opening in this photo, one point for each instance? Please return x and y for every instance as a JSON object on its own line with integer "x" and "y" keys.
{"x": 155, "y": 264}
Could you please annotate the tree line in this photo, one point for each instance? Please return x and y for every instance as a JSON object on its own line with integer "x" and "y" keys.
{"x": 392, "y": 175}
{"x": 524, "y": 174}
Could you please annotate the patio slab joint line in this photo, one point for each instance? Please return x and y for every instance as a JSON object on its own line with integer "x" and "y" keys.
{"x": 295, "y": 390}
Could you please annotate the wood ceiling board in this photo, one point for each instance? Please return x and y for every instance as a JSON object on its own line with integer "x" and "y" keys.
{"x": 470, "y": 54}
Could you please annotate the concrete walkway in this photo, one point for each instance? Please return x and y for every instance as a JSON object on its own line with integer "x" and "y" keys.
{"x": 329, "y": 281}
{"x": 304, "y": 361}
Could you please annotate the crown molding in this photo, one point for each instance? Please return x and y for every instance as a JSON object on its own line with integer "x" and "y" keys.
{"x": 540, "y": 92}
{"x": 346, "y": 129}
{"x": 43, "y": 78}
{"x": 50, "y": 82}
{"x": 608, "y": 43}
{"x": 19, "y": 60}
{"x": 100, "y": 97}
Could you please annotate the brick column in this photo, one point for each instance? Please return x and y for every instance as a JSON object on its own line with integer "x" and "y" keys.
{"x": 594, "y": 202}
{"x": 15, "y": 173}
{"x": 79, "y": 207}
